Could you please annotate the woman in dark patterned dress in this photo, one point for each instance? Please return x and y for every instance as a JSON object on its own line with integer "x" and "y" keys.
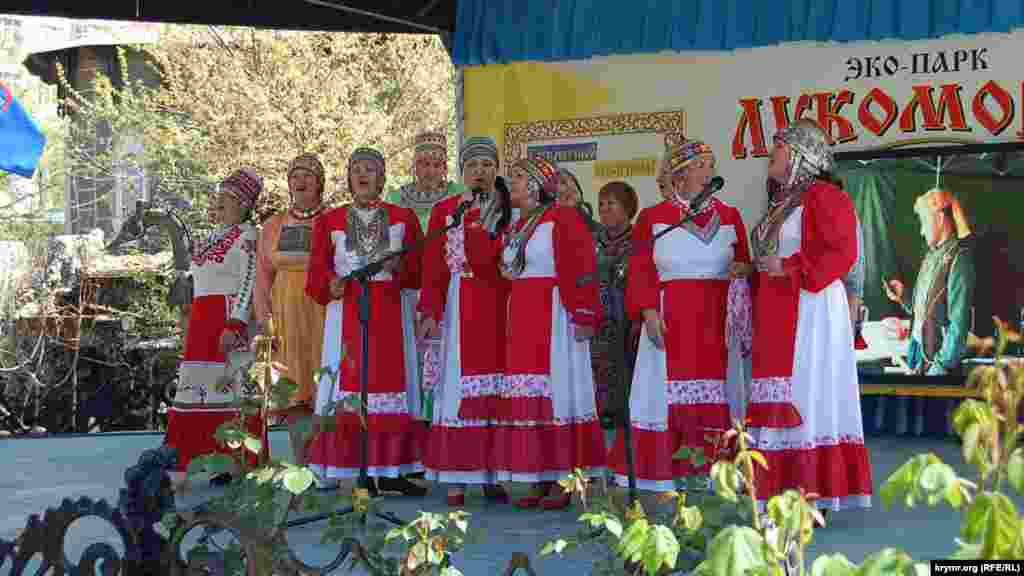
{"x": 617, "y": 206}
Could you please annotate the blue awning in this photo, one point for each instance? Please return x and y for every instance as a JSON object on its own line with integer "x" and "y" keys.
{"x": 504, "y": 31}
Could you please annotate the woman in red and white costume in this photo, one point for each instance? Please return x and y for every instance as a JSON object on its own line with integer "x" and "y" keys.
{"x": 344, "y": 240}
{"x": 224, "y": 273}
{"x": 680, "y": 288}
{"x": 545, "y": 409}
{"x": 461, "y": 286}
{"x": 804, "y": 398}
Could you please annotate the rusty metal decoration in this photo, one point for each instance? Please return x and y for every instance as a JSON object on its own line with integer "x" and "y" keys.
{"x": 143, "y": 502}
{"x": 45, "y": 538}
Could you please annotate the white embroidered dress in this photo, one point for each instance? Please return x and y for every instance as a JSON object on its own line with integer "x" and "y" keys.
{"x": 223, "y": 271}
{"x": 678, "y": 396}
{"x": 395, "y": 436}
{"x": 805, "y": 400}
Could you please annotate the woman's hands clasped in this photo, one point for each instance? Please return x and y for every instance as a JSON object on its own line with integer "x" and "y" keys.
{"x": 772, "y": 265}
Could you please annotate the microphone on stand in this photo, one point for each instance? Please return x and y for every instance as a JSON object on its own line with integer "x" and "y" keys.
{"x": 714, "y": 185}
{"x": 465, "y": 204}
{"x": 502, "y": 203}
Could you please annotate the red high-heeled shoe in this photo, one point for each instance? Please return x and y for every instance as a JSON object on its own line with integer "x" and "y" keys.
{"x": 557, "y": 502}
{"x": 534, "y": 499}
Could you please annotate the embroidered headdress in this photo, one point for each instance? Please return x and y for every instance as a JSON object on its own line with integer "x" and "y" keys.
{"x": 682, "y": 154}
{"x": 572, "y": 177}
{"x": 308, "y": 162}
{"x": 810, "y": 149}
{"x": 369, "y": 154}
{"x": 810, "y": 157}
{"x": 245, "y": 185}
{"x": 478, "y": 147}
{"x": 431, "y": 142}
{"x": 542, "y": 175}
{"x": 673, "y": 139}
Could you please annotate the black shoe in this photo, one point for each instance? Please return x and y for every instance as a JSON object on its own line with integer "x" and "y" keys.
{"x": 221, "y": 479}
{"x": 371, "y": 487}
{"x": 402, "y": 486}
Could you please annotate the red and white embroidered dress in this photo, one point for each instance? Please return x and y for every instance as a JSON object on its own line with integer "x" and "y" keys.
{"x": 395, "y": 437}
{"x": 545, "y": 407}
{"x": 223, "y": 272}
{"x": 678, "y": 397}
{"x": 462, "y": 287}
{"x": 804, "y": 397}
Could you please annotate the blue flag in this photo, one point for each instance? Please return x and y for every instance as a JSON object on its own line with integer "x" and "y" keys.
{"x": 21, "y": 141}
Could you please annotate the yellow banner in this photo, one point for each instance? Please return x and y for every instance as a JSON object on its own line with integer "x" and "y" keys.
{"x": 623, "y": 169}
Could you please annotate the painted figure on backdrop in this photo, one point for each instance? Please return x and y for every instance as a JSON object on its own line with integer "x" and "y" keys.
{"x": 617, "y": 206}
{"x": 281, "y": 265}
{"x": 223, "y": 271}
{"x": 804, "y": 247}
{"x": 430, "y": 186}
{"x": 344, "y": 240}
{"x": 547, "y": 423}
{"x": 463, "y": 292}
{"x": 690, "y": 291}
{"x": 944, "y": 291}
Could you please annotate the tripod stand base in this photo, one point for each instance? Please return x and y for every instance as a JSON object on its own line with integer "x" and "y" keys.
{"x": 364, "y": 494}
{"x": 387, "y": 516}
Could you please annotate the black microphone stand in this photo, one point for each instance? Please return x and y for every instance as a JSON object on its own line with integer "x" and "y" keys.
{"x": 363, "y": 276}
{"x": 623, "y": 325}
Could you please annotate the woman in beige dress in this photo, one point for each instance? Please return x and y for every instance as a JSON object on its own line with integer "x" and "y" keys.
{"x": 280, "y": 290}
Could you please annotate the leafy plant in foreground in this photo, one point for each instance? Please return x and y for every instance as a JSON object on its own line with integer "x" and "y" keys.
{"x": 774, "y": 542}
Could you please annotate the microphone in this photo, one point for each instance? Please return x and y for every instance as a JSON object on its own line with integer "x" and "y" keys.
{"x": 710, "y": 190}
{"x": 465, "y": 204}
{"x": 501, "y": 202}
{"x": 587, "y": 213}
{"x": 714, "y": 185}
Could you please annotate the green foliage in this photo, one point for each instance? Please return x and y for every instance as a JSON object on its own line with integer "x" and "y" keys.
{"x": 152, "y": 317}
{"x": 775, "y": 543}
{"x": 431, "y": 539}
{"x": 27, "y": 231}
{"x": 270, "y": 102}
{"x": 642, "y": 543}
{"x": 723, "y": 534}
{"x": 991, "y": 525}
{"x": 252, "y": 499}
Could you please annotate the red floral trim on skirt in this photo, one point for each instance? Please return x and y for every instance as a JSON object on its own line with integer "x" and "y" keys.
{"x": 540, "y": 449}
{"x": 829, "y": 471}
{"x": 341, "y": 449}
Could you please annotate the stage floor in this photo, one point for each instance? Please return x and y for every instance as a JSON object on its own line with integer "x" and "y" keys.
{"x": 40, "y": 472}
